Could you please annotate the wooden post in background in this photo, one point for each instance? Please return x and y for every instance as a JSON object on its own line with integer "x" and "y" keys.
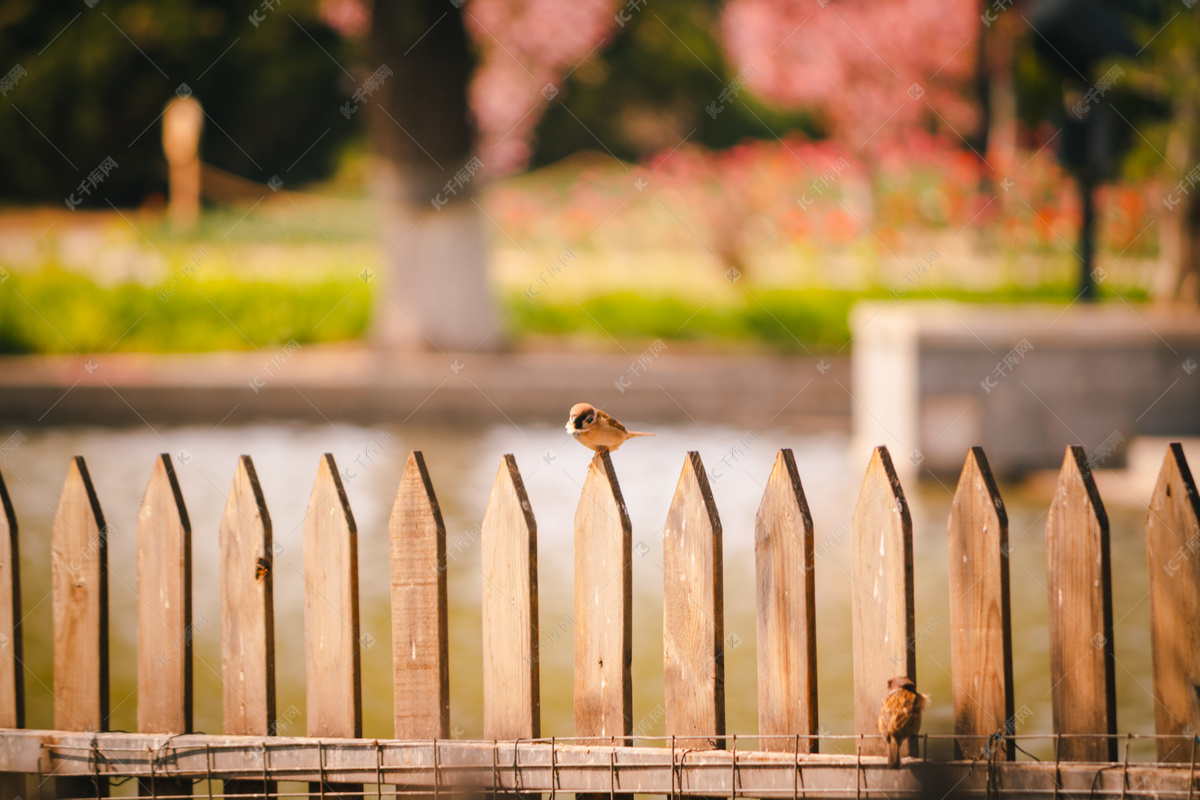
{"x": 787, "y": 624}
{"x": 420, "y": 631}
{"x": 1173, "y": 554}
{"x": 333, "y": 666}
{"x": 247, "y": 616}
{"x": 508, "y": 541}
{"x": 12, "y": 667}
{"x": 980, "y": 620}
{"x": 882, "y": 605}
{"x": 164, "y": 645}
{"x": 603, "y": 607}
{"x": 79, "y": 579}
{"x": 1082, "y": 679}
{"x": 693, "y": 613}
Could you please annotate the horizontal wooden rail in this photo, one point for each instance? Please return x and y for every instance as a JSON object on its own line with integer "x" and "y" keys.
{"x": 531, "y": 766}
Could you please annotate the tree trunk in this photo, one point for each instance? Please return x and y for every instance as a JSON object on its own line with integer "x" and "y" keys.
{"x": 434, "y": 291}
{"x": 1178, "y": 277}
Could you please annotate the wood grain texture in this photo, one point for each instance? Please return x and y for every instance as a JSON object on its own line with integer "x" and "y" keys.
{"x": 79, "y": 567}
{"x": 882, "y": 605}
{"x": 12, "y": 671}
{"x": 247, "y": 608}
{"x": 508, "y": 541}
{"x": 331, "y": 626}
{"x": 79, "y": 585}
{"x": 164, "y": 565}
{"x": 786, "y": 606}
{"x": 980, "y": 618}
{"x": 1082, "y": 679}
{"x": 603, "y": 606}
{"x": 420, "y": 632}
{"x": 693, "y": 613}
{"x": 1173, "y": 554}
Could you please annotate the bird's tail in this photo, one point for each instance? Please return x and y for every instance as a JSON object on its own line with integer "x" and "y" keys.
{"x": 893, "y": 752}
{"x": 631, "y": 434}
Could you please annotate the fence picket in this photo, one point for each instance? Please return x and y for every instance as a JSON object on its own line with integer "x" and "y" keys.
{"x": 79, "y": 577}
{"x": 164, "y": 561}
{"x": 882, "y": 605}
{"x": 603, "y": 606}
{"x": 787, "y": 625}
{"x": 1080, "y": 585}
{"x": 12, "y": 670}
{"x": 333, "y": 666}
{"x": 508, "y": 540}
{"x": 247, "y": 615}
{"x": 980, "y": 620}
{"x": 420, "y": 632}
{"x": 164, "y": 660}
{"x": 693, "y": 613}
{"x": 1172, "y": 535}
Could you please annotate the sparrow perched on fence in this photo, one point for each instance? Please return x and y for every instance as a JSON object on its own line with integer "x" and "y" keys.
{"x": 900, "y": 716}
{"x": 593, "y": 428}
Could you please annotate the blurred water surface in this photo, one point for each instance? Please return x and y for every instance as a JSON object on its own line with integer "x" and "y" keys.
{"x": 463, "y": 462}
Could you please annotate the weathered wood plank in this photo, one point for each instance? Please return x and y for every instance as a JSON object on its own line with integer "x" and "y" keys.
{"x": 787, "y": 624}
{"x": 12, "y": 669}
{"x": 980, "y": 620}
{"x": 247, "y": 615}
{"x": 646, "y": 770}
{"x": 1082, "y": 679}
{"x": 164, "y": 566}
{"x": 420, "y": 637}
{"x": 1173, "y": 554}
{"x": 881, "y": 596}
{"x": 247, "y": 607}
{"x": 508, "y": 540}
{"x": 164, "y": 649}
{"x": 79, "y": 580}
{"x": 603, "y": 606}
{"x": 693, "y": 613}
{"x": 333, "y": 666}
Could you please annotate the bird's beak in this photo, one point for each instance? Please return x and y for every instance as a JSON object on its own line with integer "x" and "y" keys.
{"x": 568, "y": 427}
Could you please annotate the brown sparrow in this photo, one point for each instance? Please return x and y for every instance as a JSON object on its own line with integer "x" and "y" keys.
{"x": 900, "y": 716}
{"x": 593, "y": 428}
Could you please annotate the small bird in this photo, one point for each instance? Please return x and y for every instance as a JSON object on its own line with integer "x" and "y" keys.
{"x": 593, "y": 428}
{"x": 900, "y": 716}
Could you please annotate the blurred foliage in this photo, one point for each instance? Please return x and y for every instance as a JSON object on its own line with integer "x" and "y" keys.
{"x": 100, "y": 74}
{"x": 651, "y": 89}
{"x": 74, "y": 314}
{"x": 77, "y": 315}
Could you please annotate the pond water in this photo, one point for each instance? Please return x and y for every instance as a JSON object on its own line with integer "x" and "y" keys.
{"x": 463, "y": 463}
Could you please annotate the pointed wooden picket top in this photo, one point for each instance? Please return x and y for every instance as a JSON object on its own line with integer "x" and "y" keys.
{"x": 693, "y": 613}
{"x": 79, "y": 585}
{"x": 247, "y": 608}
{"x": 420, "y": 643}
{"x": 331, "y": 626}
{"x": 882, "y": 603}
{"x": 787, "y": 625}
{"x": 79, "y": 569}
{"x": 603, "y": 606}
{"x": 1082, "y": 679}
{"x": 980, "y": 619}
{"x": 12, "y": 670}
{"x": 164, "y": 565}
{"x": 1173, "y": 553}
{"x": 508, "y": 544}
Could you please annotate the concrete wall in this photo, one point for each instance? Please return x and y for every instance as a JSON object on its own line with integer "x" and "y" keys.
{"x": 931, "y": 379}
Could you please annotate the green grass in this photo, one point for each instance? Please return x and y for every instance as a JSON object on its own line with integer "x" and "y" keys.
{"x": 778, "y": 319}
{"x": 54, "y": 311}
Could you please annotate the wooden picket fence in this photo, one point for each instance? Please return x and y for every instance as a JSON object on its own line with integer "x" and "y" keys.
{"x": 697, "y": 757}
